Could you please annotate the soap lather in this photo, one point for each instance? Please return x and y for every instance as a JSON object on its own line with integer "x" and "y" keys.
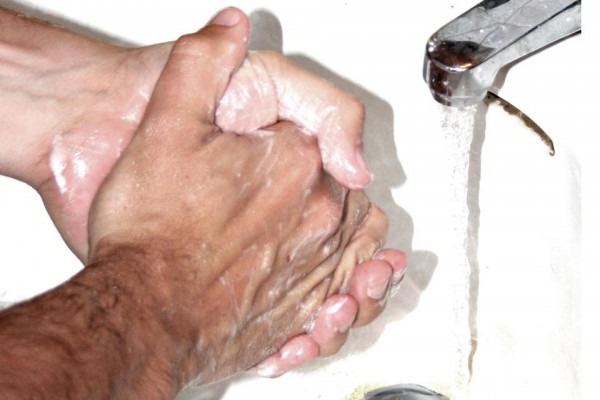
{"x": 463, "y": 57}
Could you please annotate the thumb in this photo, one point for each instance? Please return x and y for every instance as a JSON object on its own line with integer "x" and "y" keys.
{"x": 199, "y": 68}
{"x": 269, "y": 87}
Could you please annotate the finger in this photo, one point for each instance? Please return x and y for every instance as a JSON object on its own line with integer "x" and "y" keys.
{"x": 269, "y": 87}
{"x": 199, "y": 68}
{"x": 333, "y": 321}
{"x": 327, "y": 336}
{"x": 396, "y": 259}
{"x": 362, "y": 246}
{"x": 297, "y": 351}
{"x": 337, "y": 314}
{"x": 369, "y": 286}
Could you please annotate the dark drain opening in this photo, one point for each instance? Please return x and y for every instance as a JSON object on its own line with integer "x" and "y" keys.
{"x": 404, "y": 392}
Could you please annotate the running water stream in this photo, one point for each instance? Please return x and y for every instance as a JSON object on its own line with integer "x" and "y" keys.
{"x": 458, "y": 127}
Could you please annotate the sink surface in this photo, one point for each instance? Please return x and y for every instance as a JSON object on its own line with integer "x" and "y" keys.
{"x": 525, "y": 239}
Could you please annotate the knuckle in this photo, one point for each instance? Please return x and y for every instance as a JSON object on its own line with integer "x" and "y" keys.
{"x": 380, "y": 219}
{"x": 331, "y": 212}
{"x": 334, "y": 243}
{"x": 310, "y": 158}
{"x": 305, "y": 154}
{"x": 187, "y": 44}
{"x": 268, "y": 55}
{"x": 357, "y": 207}
{"x": 267, "y": 58}
{"x": 355, "y": 107}
{"x": 205, "y": 44}
{"x": 326, "y": 212}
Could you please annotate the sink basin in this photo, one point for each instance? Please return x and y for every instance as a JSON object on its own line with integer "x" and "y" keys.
{"x": 525, "y": 238}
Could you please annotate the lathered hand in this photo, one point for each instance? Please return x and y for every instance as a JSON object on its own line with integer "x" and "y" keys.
{"x": 65, "y": 147}
{"x": 237, "y": 238}
{"x": 64, "y": 139}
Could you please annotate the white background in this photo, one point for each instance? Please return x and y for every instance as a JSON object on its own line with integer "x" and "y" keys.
{"x": 529, "y": 252}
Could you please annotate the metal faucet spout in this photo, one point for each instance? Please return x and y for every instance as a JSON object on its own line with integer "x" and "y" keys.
{"x": 463, "y": 57}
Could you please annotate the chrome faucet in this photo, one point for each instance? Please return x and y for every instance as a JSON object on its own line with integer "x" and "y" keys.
{"x": 463, "y": 57}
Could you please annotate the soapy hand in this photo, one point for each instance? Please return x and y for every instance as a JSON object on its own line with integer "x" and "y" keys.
{"x": 243, "y": 237}
{"x": 269, "y": 87}
{"x": 81, "y": 150}
{"x": 97, "y": 114}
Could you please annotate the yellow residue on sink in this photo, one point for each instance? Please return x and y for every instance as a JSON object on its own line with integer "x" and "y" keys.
{"x": 360, "y": 392}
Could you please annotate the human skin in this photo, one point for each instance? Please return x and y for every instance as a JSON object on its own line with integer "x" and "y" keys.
{"x": 70, "y": 136}
{"x": 70, "y": 106}
{"x": 182, "y": 284}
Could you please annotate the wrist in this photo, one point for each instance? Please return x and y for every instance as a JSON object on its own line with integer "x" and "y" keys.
{"x": 191, "y": 298}
{"x": 130, "y": 287}
{"x": 38, "y": 79}
{"x": 102, "y": 335}
{"x": 63, "y": 93}
{"x": 158, "y": 312}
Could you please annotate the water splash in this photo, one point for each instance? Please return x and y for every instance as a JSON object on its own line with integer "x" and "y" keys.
{"x": 458, "y": 126}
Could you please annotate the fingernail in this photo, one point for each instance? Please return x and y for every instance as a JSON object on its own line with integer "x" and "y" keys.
{"x": 333, "y": 310}
{"x": 397, "y": 259}
{"x": 227, "y": 17}
{"x": 397, "y": 276}
{"x": 377, "y": 290}
{"x": 267, "y": 369}
{"x": 343, "y": 328}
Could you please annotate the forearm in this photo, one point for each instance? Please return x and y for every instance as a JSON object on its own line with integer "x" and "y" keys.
{"x": 42, "y": 68}
{"x": 102, "y": 335}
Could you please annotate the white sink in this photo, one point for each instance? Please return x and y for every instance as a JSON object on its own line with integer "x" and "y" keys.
{"x": 528, "y": 242}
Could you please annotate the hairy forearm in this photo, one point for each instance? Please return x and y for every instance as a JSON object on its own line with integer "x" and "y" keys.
{"x": 102, "y": 335}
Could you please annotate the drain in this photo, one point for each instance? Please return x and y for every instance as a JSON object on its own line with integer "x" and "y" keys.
{"x": 404, "y": 392}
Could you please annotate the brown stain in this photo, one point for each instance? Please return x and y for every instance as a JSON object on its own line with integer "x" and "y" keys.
{"x": 512, "y": 110}
{"x": 472, "y": 357}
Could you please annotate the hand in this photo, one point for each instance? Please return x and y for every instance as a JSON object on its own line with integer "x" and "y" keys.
{"x": 242, "y": 253}
{"x": 78, "y": 136}
{"x": 64, "y": 134}
{"x": 267, "y": 88}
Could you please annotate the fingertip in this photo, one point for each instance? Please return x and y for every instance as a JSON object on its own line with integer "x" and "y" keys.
{"x": 364, "y": 176}
{"x": 297, "y": 351}
{"x": 347, "y": 164}
{"x": 229, "y": 16}
{"x": 370, "y": 286}
{"x": 397, "y": 260}
{"x": 234, "y": 19}
{"x": 323, "y": 110}
{"x": 334, "y": 320}
{"x": 199, "y": 68}
{"x": 233, "y": 25}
